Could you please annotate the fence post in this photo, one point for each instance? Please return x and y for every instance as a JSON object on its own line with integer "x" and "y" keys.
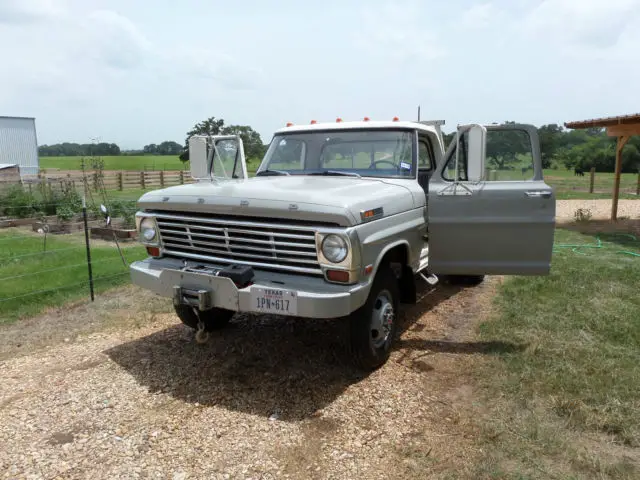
{"x": 161, "y": 178}
{"x": 638, "y": 185}
{"x": 142, "y": 180}
{"x": 181, "y": 178}
{"x": 86, "y": 241}
{"x": 593, "y": 179}
{"x": 120, "y": 187}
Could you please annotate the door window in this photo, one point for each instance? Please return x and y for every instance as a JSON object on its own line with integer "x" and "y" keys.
{"x": 449, "y": 172}
{"x": 509, "y": 157}
{"x": 425, "y": 154}
{"x": 227, "y": 159}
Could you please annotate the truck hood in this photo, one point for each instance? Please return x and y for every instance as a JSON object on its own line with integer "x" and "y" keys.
{"x": 337, "y": 200}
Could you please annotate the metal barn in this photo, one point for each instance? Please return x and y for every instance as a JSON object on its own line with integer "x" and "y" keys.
{"x": 19, "y": 144}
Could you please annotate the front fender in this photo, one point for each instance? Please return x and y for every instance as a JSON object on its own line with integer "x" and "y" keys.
{"x": 377, "y": 238}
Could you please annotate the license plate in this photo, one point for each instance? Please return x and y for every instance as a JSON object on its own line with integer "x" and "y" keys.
{"x": 271, "y": 300}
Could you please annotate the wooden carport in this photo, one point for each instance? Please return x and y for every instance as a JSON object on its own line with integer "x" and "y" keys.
{"x": 622, "y": 127}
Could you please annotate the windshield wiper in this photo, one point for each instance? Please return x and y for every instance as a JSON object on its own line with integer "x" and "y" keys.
{"x": 337, "y": 173}
{"x": 268, "y": 172}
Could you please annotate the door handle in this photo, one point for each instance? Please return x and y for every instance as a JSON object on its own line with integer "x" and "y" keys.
{"x": 538, "y": 194}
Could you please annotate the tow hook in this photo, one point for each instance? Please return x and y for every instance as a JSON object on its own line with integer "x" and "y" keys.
{"x": 202, "y": 336}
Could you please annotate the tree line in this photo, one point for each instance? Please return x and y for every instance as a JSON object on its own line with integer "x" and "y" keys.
{"x": 253, "y": 146}
{"x": 570, "y": 149}
{"x": 560, "y": 148}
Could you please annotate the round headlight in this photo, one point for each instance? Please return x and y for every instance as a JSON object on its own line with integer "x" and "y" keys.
{"x": 334, "y": 248}
{"x": 148, "y": 229}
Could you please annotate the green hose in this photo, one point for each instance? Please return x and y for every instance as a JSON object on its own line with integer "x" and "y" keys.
{"x": 599, "y": 244}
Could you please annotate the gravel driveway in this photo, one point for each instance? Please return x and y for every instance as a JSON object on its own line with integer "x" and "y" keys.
{"x": 268, "y": 398}
{"x": 600, "y": 209}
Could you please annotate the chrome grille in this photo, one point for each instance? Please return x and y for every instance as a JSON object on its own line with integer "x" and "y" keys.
{"x": 261, "y": 245}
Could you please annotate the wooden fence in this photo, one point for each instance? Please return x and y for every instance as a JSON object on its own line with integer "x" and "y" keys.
{"x": 111, "y": 180}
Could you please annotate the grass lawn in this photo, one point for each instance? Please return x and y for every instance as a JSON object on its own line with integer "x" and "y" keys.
{"x": 134, "y": 163}
{"x": 25, "y": 268}
{"x": 119, "y": 162}
{"x": 574, "y": 387}
{"x": 569, "y": 186}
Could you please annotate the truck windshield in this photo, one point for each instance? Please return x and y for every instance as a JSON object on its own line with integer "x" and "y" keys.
{"x": 366, "y": 153}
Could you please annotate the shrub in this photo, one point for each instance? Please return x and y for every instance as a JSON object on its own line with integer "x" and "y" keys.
{"x": 582, "y": 215}
{"x": 18, "y": 203}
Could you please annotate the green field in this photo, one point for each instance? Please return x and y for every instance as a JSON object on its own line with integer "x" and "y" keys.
{"x": 569, "y": 186}
{"x": 134, "y": 163}
{"x": 577, "y": 373}
{"x": 25, "y": 267}
{"x": 120, "y": 162}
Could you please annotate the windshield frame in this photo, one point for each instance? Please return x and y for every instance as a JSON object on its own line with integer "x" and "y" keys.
{"x": 264, "y": 164}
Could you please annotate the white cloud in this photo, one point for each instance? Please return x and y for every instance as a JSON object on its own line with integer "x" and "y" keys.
{"x": 27, "y": 11}
{"x": 211, "y": 65}
{"x": 116, "y": 40}
{"x": 398, "y": 31}
{"x": 583, "y": 24}
{"x": 480, "y": 16}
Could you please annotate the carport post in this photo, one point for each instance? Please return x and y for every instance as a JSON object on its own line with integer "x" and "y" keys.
{"x": 622, "y": 140}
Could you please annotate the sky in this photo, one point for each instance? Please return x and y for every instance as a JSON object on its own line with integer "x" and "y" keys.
{"x": 136, "y": 72}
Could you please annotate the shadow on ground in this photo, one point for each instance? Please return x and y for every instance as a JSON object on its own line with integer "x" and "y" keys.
{"x": 262, "y": 364}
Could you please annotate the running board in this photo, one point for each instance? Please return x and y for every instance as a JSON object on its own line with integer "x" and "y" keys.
{"x": 431, "y": 279}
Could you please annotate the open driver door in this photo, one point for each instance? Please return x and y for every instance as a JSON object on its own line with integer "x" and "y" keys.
{"x": 489, "y": 210}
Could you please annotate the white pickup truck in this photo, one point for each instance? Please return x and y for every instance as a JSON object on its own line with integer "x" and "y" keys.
{"x": 342, "y": 219}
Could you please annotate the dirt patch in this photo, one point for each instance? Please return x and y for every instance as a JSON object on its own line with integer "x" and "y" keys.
{"x": 120, "y": 307}
{"x": 270, "y": 397}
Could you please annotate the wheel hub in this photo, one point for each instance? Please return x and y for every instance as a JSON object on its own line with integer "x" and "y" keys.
{"x": 382, "y": 320}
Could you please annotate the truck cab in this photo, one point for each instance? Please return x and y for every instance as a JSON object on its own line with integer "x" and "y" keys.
{"x": 342, "y": 219}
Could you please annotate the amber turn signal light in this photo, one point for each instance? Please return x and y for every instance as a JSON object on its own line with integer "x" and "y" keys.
{"x": 338, "y": 276}
{"x": 153, "y": 251}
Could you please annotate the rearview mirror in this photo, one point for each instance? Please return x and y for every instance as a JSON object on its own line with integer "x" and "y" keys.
{"x": 477, "y": 147}
{"x": 198, "y": 157}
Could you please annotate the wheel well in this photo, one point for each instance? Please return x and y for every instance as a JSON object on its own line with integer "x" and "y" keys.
{"x": 398, "y": 259}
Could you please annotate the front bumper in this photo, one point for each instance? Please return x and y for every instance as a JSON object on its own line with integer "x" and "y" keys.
{"x": 315, "y": 297}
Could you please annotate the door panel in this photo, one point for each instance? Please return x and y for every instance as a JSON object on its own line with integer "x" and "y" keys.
{"x": 501, "y": 225}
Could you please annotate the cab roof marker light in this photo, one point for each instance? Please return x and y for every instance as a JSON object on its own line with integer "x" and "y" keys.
{"x": 289, "y": 124}
{"x": 338, "y": 120}
{"x": 313, "y": 122}
{"x": 396, "y": 119}
{"x": 365, "y": 119}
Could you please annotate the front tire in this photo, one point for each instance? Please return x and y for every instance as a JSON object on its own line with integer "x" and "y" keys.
{"x": 213, "y": 319}
{"x": 373, "y": 326}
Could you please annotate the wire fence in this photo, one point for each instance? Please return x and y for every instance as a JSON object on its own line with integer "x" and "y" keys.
{"x": 46, "y": 261}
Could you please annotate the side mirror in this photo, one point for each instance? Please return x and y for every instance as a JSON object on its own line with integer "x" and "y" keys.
{"x": 198, "y": 157}
{"x": 477, "y": 148}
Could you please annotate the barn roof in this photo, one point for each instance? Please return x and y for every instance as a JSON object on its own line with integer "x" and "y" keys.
{"x": 605, "y": 121}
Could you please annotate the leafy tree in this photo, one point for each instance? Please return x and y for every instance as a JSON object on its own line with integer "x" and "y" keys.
{"x": 251, "y": 140}
{"x": 165, "y": 148}
{"x": 210, "y": 126}
{"x": 549, "y": 142}
{"x": 504, "y": 146}
{"x": 253, "y": 146}
{"x": 75, "y": 149}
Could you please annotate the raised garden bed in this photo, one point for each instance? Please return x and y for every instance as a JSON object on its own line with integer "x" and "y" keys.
{"x": 107, "y": 233}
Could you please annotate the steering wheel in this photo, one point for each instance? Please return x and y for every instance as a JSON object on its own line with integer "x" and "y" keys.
{"x": 374, "y": 164}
